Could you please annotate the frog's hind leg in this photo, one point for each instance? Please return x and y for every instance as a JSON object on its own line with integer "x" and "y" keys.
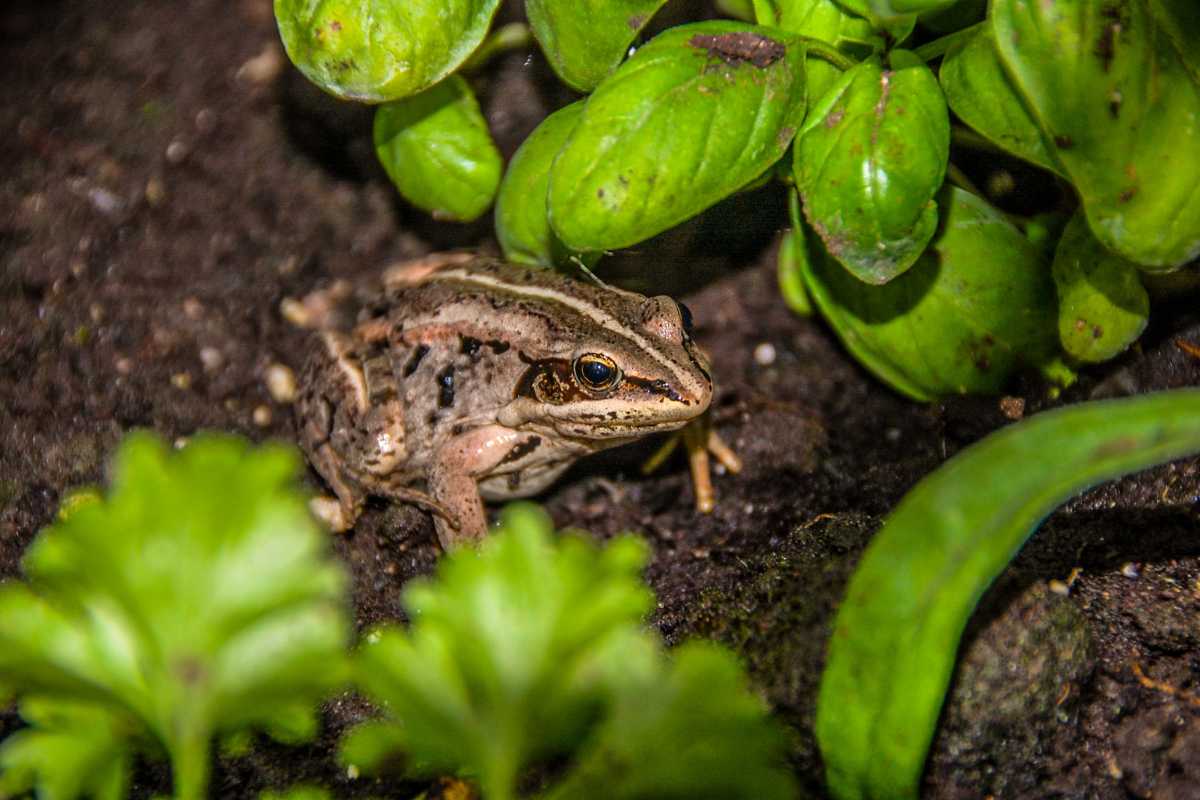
{"x": 339, "y": 514}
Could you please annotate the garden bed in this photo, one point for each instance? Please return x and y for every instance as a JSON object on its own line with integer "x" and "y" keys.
{"x": 166, "y": 179}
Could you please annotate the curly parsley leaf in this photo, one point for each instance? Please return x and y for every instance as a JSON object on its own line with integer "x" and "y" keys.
{"x": 198, "y": 598}
{"x": 531, "y": 648}
{"x": 693, "y": 732}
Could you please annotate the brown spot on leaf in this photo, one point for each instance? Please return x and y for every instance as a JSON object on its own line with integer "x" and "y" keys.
{"x": 1127, "y": 195}
{"x": 785, "y": 135}
{"x": 833, "y": 118}
{"x": 1063, "y": 142}
{"x": 636, "y": 22}
{"x": 1097, "y": 332}
{"x": 741, "y": 47}
{"x": 1116, "y": 22}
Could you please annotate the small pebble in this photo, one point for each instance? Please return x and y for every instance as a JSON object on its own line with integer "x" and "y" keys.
{"x": 180, "y": 443}
{"x": 211, "y": 358}
{"x": 264, "y": 67}
{"x": 96, "y": 312}
{"x": 1012, "y": 407}
{"x": 281, "y": 383}
{"x": 193, "y": 308}
{"x": 1058, "y": 587}
{"x": 123, "y": 365}
{"x": 105, "y": 201}
{"x": 182, "y": 380}
{"x": 1130, "y": 570}
{"x": 262, "y": 416}
{"x": 206, "y": 120}
{"x": 295, "y": 312}
{"x": 764, "y": 354}
{"x": 177, "y": 151}
{"x": 155, "y": 192}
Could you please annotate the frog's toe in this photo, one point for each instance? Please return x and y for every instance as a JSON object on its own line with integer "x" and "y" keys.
{"x": 332, "y": 512}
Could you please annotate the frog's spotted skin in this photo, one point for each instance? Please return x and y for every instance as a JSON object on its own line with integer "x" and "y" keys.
{"x": 469, "y": 378}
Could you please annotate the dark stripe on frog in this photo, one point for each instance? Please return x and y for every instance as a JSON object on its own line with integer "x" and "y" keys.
{"x": 659, "y": 387}
{"x": 414, "y": 360}
{"x": 445, "y": 381}
{"x": 470, "y": 347}
{"x": 521, "y": 450}
{"x": 377, "y": 372}
{"x": 549, "y": 380}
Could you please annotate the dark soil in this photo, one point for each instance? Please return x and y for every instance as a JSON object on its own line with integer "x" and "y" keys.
{"x": 166, "y": 180}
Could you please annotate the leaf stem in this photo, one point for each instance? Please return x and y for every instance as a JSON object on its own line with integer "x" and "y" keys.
{"x": 965, "y": 137}
{"x": 939, "y": 47}
{"x": 960, "y": 179}
{"x": 827, "y": 52}
{"x": 190, "y": 765}
{"x": 506, "y": 38}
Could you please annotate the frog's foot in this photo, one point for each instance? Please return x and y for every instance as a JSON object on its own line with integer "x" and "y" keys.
{"x": 700, "y": 440}
{"x": 331, "y": 511}
{"x": 324, "y": 309}
{"x": 405, "y": 494}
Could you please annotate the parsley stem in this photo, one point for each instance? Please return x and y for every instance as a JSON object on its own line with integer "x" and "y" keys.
{"x": 190, "y": 765}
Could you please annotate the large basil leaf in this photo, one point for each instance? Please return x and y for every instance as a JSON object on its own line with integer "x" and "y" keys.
{"x": 383, "y": 49}
{"x": 980, "y": 92}
{"x": 870, "y": 159}
{"x": 897, "y": 25}
{"x": 893, "y": 9}
{"x": 1112, "y": 91}
{"x": 977, "y": 306}
{"x": 693, "y": 116}
{"x": 437, "y": 149}
{"x": 1102, "y": 305}
{"x": 893, "y": 645}
{"x": 522, "y": 225}
{"x": 586, "y": 39}
{"x": 829, "y": 22}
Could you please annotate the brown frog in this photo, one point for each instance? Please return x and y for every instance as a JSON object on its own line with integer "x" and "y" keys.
{"x": 467, "y": 378}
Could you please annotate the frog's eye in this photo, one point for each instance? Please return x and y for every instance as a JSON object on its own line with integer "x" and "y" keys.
{"x": 596, "y": 372}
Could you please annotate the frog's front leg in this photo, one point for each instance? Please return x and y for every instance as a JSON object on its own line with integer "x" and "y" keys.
{"x": 454, "y": 476}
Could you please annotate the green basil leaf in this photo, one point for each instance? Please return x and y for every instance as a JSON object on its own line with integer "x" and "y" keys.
{"x": 894, "y": 640}
{"x": 692, "y": 117}
{"x": 829, "y": 22}
{"x": 522, "y": 225}
{"x": 1102, "y": 305}
{"x": 436, "y": 148}
{"x": 382, "y": 50}
{"x": 792, "y": 252}
{"x": 1114, "y": 96}
{"x": 883, "y": 17}
{"x": 893, "y": 9}
{"x": 738, "y": 9}
{"x": 980, "y": 92}
{"x": 870, "y": 159}
{"x": 963, "y": 14}
{"x": 975, "y": 308}
{"x": 585, "y": 40}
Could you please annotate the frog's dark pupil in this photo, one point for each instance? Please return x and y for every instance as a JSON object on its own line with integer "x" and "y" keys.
{"x": 596, "y": 373}
{"x": 686, "y": 313}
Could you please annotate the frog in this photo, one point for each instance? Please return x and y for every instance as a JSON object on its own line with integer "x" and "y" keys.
{"x": 458, "y": 378}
